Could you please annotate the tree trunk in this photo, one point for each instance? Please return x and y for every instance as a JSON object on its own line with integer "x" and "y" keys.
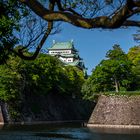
{"x": 116, "y": 85}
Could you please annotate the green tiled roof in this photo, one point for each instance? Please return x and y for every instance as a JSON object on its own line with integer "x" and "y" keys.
{"x": 62, "y": 46}
{"x": 75, "y": 63}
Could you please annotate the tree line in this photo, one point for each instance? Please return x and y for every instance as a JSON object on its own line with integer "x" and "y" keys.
{"x": 21, "y": 79}
{"x": 119, "y": 71}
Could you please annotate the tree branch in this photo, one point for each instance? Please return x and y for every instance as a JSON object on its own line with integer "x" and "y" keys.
{"x": 131, "y": 23}
{"x": 58, "y": 2}
{"x": 20, "y": 52}
{"x": 98, "y": 22}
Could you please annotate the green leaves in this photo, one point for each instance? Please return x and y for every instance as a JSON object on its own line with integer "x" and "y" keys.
{"x": 44, "y": 75}
{"x": 113, "y": 74}
{"x": 74, "y": 80}
{"x": 23, "y": 81}
{"x": 9, "y": 83}
{"x": 116, "y": 53}
{"x": 134, "y": 56}
{"x": 10, "y": 14}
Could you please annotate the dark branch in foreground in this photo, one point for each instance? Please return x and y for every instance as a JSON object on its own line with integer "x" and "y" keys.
{"x": 72, "y": 17}
{"x": 20, "y": 52}
{"x": 119, "y": 18}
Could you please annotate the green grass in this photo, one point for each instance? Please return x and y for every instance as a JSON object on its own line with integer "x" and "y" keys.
{"x": 95, "y": 96}
{"x": 121, "y": 93}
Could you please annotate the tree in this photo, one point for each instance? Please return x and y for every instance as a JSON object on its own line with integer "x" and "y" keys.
{"x": 11, "y": 11}
{"x": 114, "y": 73}
{"x": 106, "y": 14}
{"x": 119, "y": 66}
{"x": 74, "y": 81}
{"x": 67, "y": 11}
{"x": 21, "y": 80}
{"x": 134, "y": 56}
{"x": 45, "y": 75}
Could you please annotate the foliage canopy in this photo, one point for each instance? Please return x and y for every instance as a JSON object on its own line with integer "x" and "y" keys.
{"x": 43, "y": 76}
{"x": 117, "y": 72}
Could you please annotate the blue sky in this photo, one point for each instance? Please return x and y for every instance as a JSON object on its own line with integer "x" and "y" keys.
{"x": 93, "y": 44}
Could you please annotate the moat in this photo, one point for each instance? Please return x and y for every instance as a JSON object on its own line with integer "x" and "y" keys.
{"x": 71, "y": 131}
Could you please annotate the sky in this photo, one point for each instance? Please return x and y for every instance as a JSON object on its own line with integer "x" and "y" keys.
{"x": 93, "y": 44}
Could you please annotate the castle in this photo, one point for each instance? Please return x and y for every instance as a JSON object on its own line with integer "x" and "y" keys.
{"x": 67, "y": 53}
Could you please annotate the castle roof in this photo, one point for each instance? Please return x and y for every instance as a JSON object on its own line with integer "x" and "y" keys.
{"x": 62, "y": 46}
{"x": 75, "y": 63}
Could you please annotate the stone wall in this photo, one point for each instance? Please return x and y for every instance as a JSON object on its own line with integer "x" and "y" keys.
{"x": 116, "y": 110}
{"x": 1, "y": 117}
{"x": 54, "y": 107}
